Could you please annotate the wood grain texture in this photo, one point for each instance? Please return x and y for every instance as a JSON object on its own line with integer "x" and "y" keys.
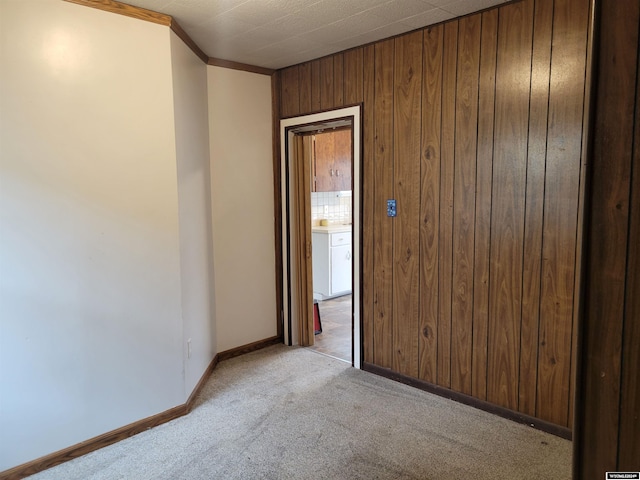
{"x": 177, "y": 29}
{"x": 191, "y": 401}
{"x": 139, "y": 13}
{"x": 353, "y": 76}
{"x": 127, "y": 10}
{"x": 629, "y": 431}
{"x": 304, "y": 81}
{"x": 114, "y": 436}
{"x": 384, "y": 189}
{"x": 534, "y": 206}
{"x": 368, "y": 201}
{"x": 507, "y": 216}
{"x": 342, "y": 160}
{"x": 599, "y": 416}
{"x": 316, "y": 103}
{"x": 447, "y": 175}
{"x": 338, "y": 80}
{"x": 482, "y": 201}
{"x": 326, "y": 83}
{"x": 406, "y": 244}
{"x": 464, "y": 205}
{"x": 248, "y": 348}
{"x": 561, "y": 195}
{"x": 244, "y": 67}
{"x": 332, "y": 161}
{"x": 324, "y": 154}
{"x": 301, "y": 169}
{"x": 430, "y": 202}
{"x": 484, "y": 173}
{"x": 561, "y": 432}
{"x": 290, "y": 92}
{"x": 43, "y": 463}
{"x": 580, "y": 233}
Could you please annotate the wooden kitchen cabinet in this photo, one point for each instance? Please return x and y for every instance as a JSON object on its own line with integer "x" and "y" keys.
{"x": 331, "y": 159}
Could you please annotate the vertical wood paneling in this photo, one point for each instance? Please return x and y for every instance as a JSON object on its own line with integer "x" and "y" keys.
{"x": 476, "y": 131}
{"x": 507, "y": 216}
{"x": 447, "y": 168}
{"x": 304, "y": 76}
{"x": 383, "y": 227}
{"x": 629, "y": 433}
{"x": 338, "y": 80}
{"x": 353, "y": 76}
{"x": 607, "y": 420}
{"x": 326, "y": 83}
{"x": 430, "y": 201}
{"x": 580, "y": 233}
{"x": 406, "y": 253}
{"x": 464, "y": 202}
{"x": 560, "y": 213}
{"x": 368, "y": 200}
{"x": 290, "y": 92}
{"x": 484, "y": 173}
{"x": 316, "y": 103}
{"x": 534, "y": 206}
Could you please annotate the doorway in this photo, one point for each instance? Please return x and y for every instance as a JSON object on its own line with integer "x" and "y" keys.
{"x": 294, "y": 324}
{"x": 331, "y": 234}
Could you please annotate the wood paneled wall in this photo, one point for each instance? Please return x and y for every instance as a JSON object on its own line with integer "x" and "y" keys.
{"x": 608, "y": 420}
{"x": 475, "y": 126}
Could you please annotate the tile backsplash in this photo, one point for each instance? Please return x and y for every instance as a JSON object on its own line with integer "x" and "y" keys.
{"x": 336, "y": 204}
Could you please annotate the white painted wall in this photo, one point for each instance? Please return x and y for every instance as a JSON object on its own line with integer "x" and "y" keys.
{"x": 109, "y": 151}
{"x": 194, "y": 195}
{"x": 91, "y": 336}
{"x": 242, "y": 199}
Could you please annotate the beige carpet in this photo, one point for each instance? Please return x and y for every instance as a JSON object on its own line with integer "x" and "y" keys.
{"x": 291, "y": 413}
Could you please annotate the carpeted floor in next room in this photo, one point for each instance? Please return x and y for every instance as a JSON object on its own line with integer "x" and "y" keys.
{"x": 289, "y": 413}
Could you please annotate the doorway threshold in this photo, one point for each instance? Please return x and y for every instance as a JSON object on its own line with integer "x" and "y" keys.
{"x": 330, "y": 356}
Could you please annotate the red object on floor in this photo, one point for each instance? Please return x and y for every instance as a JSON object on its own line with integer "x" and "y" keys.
{"x": 317, "y": 325}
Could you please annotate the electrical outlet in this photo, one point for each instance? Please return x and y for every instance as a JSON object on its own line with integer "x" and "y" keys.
{"x": 189, "y": 348}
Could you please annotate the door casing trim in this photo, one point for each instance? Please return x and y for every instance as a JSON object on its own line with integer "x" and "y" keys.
{"x": 288, "y": 128}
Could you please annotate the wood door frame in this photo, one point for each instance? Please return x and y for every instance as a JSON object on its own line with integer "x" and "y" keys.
{"x": 288, "y": 128}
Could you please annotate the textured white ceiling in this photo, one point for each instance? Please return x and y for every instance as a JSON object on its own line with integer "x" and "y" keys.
{"x": 279, "y": 33}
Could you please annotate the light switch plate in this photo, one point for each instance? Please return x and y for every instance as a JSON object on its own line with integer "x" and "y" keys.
{"x": 391, "y": 208}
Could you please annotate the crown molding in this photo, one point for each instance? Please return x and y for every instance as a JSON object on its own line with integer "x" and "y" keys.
{"x": 120, "y": 8}
{"x": 218, "y": 62}
{"x": 177, "y": 29}
{"x": 127, "y": 10}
